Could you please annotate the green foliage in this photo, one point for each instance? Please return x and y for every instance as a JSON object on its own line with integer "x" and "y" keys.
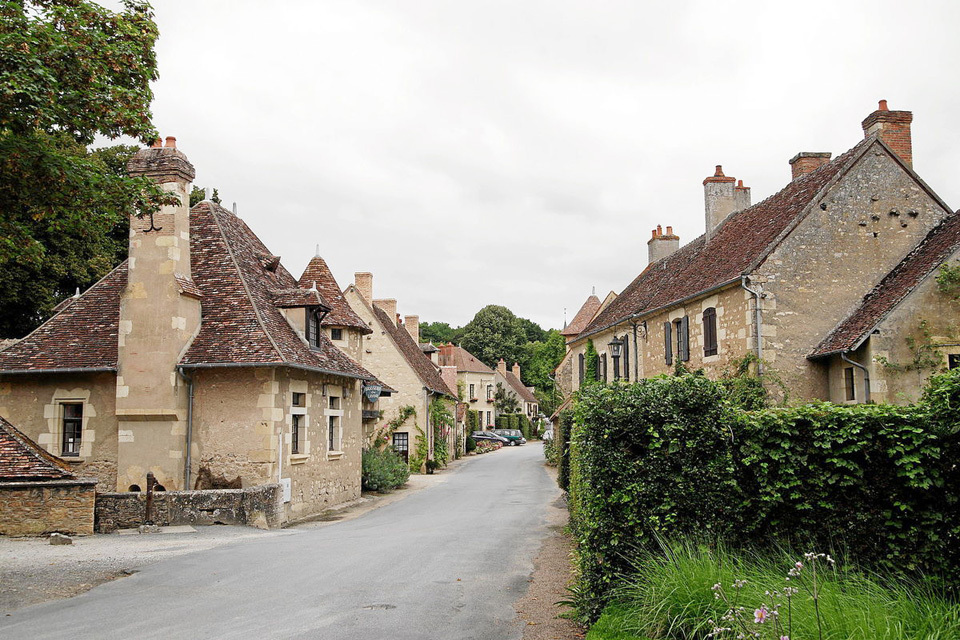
{"x": 669, "y": 595}
{"x": 671, "y": 456}
{"x": 494, "y": 333}
{"x": 540, "y": 358}
{"x": 549, "y": 451}
{"x": 926, "y": 353}
{"x": 505, "y": 401}
{"x": 747, "y": 388}
{"x": 382, "y": 436}
{"x": 562, "y": 436}
{"x": 69, "y": 71}
{"x": 591, "y": 365}
{"x": 471, "y": 444}
{"x": 439, "y": 332}
{"x": 199, "y": 194}
{"x": 948, "y": 280}
{"x": 421, "y": 452}
{"x": 383, "y": 469}
{"x": 472, "y": 421}
{"x": 442, "y": 420}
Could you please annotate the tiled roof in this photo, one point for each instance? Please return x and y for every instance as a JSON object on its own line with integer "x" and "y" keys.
{"x": 21, "y": 459}
{"x": 525, "y": 394}
{"x": 583, "y": 317}
{"x": 293, "y": 298}
{"x": 341, "y": 314}
{"x": 737, "y": 246}
{"x": 82, "y": 335}
{"x": 241, "y": 323}
{"x": 463, "y": 360}
{"x": 427, "y": 372}
{"x": 940, "y": 243}
{"x": 187, "y": 286}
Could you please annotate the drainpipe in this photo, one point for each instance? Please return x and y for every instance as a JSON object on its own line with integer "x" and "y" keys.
{"x": 189, "y": 437}
{"x": 866, "y": 375}
{"x": 756, "y": 321}
{"x": 636, "y": 370}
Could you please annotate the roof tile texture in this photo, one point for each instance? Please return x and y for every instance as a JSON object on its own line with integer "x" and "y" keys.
{"x": 341, "y": 314}
{"x": 427, "y": 372}
{"x": 21, "y": 459}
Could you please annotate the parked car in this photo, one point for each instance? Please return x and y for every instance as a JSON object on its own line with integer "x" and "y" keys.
{"x": 515, "y": 436}
{"x": 489, "y": 435}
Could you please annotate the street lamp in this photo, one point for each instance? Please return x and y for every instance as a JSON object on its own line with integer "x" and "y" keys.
{"x": 616, "y": 346}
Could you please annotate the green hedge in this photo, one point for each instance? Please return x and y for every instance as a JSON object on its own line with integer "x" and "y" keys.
{"x": 561, "y": 448}
{"x": 672, "y": 456}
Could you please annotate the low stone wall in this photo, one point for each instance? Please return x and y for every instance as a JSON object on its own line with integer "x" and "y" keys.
{"x": 37, "y": 508}
{"x": 260, "y": 506}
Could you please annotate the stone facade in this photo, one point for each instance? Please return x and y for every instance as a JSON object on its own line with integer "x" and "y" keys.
{"x": 38, "y": 508}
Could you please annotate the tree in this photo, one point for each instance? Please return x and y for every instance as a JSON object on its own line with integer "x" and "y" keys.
{"x": 505, "y": 402}
{"x": 437, "y": 332}
{"x": 69, "y": 70}
{"x": 199, "y": 194}
{"x": 494, "y": 333}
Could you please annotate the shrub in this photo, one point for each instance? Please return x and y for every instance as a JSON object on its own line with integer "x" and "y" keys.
{"x": 548, "y": 452}
{"x": 383, "y": 469}
{"x": 472, "y": 421}
{"x": 471, "y": 444}
{"x": 562, "y": 447}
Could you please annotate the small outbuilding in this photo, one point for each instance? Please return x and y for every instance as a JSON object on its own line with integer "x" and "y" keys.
{"x": 39, "y": 493}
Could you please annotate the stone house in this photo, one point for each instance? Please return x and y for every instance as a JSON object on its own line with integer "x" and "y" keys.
{"x": 391, "y": 350}
{"x": 39, "y": 492}
{"x": 509, "y": 380}
{"x": 816, "y": 281}
{"x": 477, "y": 380}
{"x": 199, "y": 358}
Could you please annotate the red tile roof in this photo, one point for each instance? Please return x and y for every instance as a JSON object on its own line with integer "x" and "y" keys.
{"x": 583, "y": 317}
{"x": 738, "y": 245}
{"x": 938, "y": 246}
{"x": 241, "y": 322}
{"x": 21, "y": 459}
{"x": 463, "y": 360}
{"x": 341, "y": 314}
{"x": 525, "y": 394}
{"x": 82, "y": 335}
{"x": 426, "y": 371}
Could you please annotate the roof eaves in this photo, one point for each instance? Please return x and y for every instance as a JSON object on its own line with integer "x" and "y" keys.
{"x": 14, "y": 372}
{"x": 289, "y": 365}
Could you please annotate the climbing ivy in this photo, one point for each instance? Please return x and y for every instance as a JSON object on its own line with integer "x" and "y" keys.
{"x": 381, "y": 437}
{"x": 591, "y": 363}
{"x": 948, "y": 280}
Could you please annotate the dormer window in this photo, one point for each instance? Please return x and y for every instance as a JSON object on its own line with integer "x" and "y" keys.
{"x": 314, "y": 317}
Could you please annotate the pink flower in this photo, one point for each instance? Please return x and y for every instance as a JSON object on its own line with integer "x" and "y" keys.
{"x": 784, "y": 637}
{"x": 760, "y": 615}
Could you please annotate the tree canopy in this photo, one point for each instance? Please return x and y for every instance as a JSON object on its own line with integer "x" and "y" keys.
{"x": 69, "y": 70}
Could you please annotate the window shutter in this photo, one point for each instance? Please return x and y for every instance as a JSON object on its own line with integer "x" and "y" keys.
{"x": 710, "y": 332}
{"x": 581, "y": 368}
{"x": 668, "y": 342}
{"x": 626, "y": 358}
{"x": 684, "y": 346}
{"x": 603, "y": 367}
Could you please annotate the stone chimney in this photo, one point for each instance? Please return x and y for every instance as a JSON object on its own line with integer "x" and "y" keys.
{"x": 502, "y": 367}
{"x": 364, "y": 283}
{"x": 719, "y": 197}
{"x": 807, "y": 161}
{"x": 388, "y": 306}
{"x": 894, "y": 129}
{"x": 159, "y": 315}
{"x": 741, "y": 197}
{"x": 412, "y": 324}
{"x": 516, "y": 368}
{"x": 661, "y": 244}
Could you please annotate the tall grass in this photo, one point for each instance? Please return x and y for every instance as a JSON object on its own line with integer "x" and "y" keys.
{"x": 670, "y": 596}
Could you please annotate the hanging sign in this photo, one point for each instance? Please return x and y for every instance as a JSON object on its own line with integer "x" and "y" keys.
{"x": 372, "y": 391}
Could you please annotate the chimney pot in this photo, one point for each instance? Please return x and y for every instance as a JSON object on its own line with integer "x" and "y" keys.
{"x": 158, "y": 143}
{"x": 893, "y": 127}
{"x": 669, "y": 231}
{"x": 654, "y": 235}
{"x": 661, "y": 245}
{"x": 883, "y": 105}
{"x": 171, "y": 142}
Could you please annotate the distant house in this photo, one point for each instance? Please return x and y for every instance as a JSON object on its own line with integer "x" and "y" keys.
{"x": 477, "y": 380}
{"x": 391, "y": 350}
{"x": 829, "y": 283}
{"x": 200, "y": 358}
{"x": 509, "y": 379}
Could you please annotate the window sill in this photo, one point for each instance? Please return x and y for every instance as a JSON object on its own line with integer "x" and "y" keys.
{"x": 73, "y": 459}
{"x": 334, "y": 455}
{"x": 299, "y": 458}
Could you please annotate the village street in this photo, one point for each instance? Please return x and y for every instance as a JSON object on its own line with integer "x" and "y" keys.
{"x": 446, "y": 562}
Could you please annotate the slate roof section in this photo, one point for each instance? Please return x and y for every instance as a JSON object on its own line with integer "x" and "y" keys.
{"x": 580, "y": 321}
{"x": 341, "y": 313}
{"x": 241, "y": 323}
{"x": 525, "y": 394}
{"x": 739, "y": 244}
{"x": 426, "y": 371}
{"x": 937, "y": 247}
{"x": 463, "y": 360}
{"x": 82, "y": 335}
{"x": 21, "y": 459}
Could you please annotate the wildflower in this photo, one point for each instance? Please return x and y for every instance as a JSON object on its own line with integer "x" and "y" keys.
{"x": 760, "y": 615}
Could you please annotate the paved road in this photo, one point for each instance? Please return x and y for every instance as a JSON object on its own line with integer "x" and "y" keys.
{"x": 446, "y": 562}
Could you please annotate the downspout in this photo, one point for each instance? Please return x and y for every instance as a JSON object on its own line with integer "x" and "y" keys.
{"x": 866, "y": 375}
{"x": 636, "y": 366}
{"x": 189, "y": 436}
{"x": 756, "y": 321}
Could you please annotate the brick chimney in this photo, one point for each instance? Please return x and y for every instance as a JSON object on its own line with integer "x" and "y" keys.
{"x": 894, "y": 129}
{"x": 412, "y": 325}
{"x": 516, "y": 370}
{"x": 661, "y": 244}
{"x": 388, "y": 306}
{"x": 364, "y": 283}
{"x": 719, "y": 197}
{"x": 159, "y": 316}
{"x": 502, "y": 367}
{"x": 807, "y": 161}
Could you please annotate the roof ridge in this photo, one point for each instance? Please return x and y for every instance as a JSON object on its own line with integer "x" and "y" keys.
{"x": 377, "y": 312}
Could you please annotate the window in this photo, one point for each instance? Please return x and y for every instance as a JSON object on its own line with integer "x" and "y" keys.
{"x": 489, "y": 419}
{"x": 473, "y": 392}
{"x": 581, "y": 358}
{"x": 333, "y": 434}
{"x": 334, "y": 402}
{"x": 953, "y": 360}
{"x": 682, "y": 331}
{"x": 72, "y": 428}
{"x": 313, "y": 327}
{"x": 296, "y": 433}
{"x": 710, "y": 332}
{"x": 299, "y": 399}
{"x": 489, "y": 392}
{"x": 336, "y": 334}
{"x": 849, "y": 383}
{"x": 401, "y": 443}
{"x": 603, "y": 368}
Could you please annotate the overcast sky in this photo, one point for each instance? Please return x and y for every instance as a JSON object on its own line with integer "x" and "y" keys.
{"x": 519, "y": 153}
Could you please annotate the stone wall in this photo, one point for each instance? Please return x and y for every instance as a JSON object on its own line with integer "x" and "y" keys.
{"x": 37, "y": 508}
{"x": 260, "y": 506}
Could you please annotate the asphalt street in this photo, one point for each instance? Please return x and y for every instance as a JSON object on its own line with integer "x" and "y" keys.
{"x": 446, "y": 562}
